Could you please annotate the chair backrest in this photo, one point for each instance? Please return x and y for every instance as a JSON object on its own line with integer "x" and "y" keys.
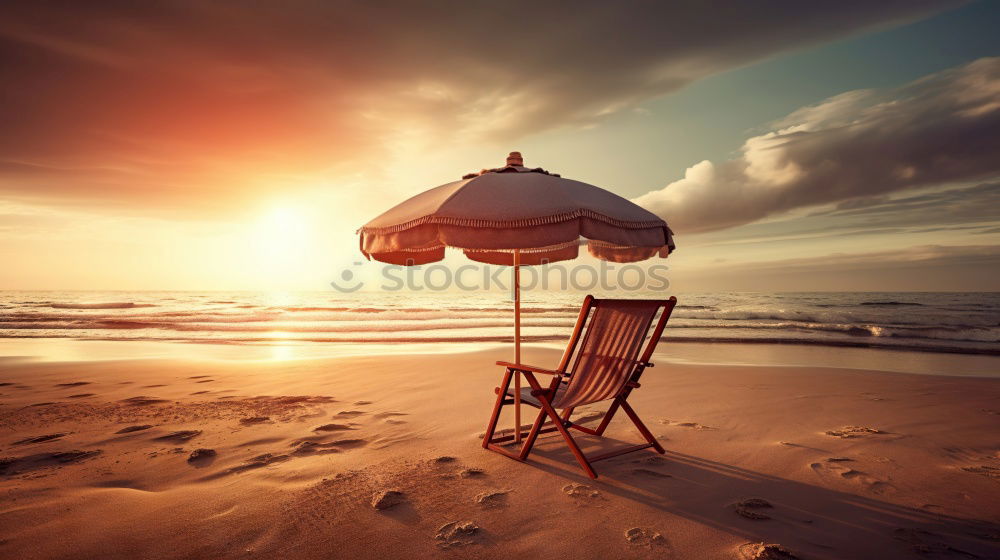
{"x": 608, "y": 354}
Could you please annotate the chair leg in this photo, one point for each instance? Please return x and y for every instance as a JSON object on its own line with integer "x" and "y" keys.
{"x": 607, "y": 417}
{"x": 577, "y": 452}
{"x": 501, "y": 395}
{"x": 567, "y": 413}
{"x": 642, "y": 428}
{"x": 532, "y": 435}
{"x": 539, "y": 422}
{"x": 551, "y": 412}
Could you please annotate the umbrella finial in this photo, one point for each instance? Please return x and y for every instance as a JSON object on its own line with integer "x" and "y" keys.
{"x": 515, "y": 159}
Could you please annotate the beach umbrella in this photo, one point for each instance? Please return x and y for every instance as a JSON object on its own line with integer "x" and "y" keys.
{"x": 515, "y": 215}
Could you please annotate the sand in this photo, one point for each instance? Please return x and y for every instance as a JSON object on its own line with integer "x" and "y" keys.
{"x": 378, "y": 457}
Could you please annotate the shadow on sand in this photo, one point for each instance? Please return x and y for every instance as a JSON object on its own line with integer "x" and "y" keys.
{"x": 813, "y": 520}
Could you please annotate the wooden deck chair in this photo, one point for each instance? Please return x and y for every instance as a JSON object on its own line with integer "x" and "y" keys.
{"x": 607, "y": 367}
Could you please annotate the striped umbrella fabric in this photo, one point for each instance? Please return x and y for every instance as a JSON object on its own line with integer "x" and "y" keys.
{"x": 493, "y": 213}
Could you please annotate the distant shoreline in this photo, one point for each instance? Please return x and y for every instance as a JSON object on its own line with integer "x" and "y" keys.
{"x": 533, "y": 339}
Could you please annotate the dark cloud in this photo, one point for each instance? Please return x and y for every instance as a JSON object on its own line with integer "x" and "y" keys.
{"x": 976, "y": 204}
{"x": 177, "y": 101}
{"x": 969, "y": 209}
{"x": 925, "y": 268}
{"x": 853, "y": 149}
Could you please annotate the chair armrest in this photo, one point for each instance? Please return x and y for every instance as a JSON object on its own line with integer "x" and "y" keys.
{"x": 522, "y": 367}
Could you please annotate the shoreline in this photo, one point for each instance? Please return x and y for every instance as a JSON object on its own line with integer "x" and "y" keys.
{"x": 670, "y": 349}
{"x": 530, "y": 339}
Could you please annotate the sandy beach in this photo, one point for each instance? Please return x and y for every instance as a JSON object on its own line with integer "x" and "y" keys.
{"x": 379, "y": 456}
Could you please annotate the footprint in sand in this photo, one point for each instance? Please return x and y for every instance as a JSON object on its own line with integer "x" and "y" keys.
{"x": 312, "y": 448}
{"x": 870, "y": 483}
{"x": 692, "y": 425}
{"x": 581, "y": 493}
{"x": 984, "y": 470}
{"x": 471, "y": 473}
{"x": 80, "y": 396}
{"x": 73, "y": 384}
{"x": 492, "y": 498}
{"x": 311, "y": 445}
{"x": 198, "y": 377}
{"x": 355, "y": 442}
{"x": 257, "y": 462}
{"x": 180, "y": 436}
{"x": 387, "y": 499}
{"x": 926, "y": 543}
{"x": 13, "y": 465}
{"x": 201, "y": 456}
{"x": 362, "y": 403}
{"x": 644, "y": 537}
{"x": 292, "y": 400}
{"x": 143, "y": 401}
{"x": 332, "y": 428}
{"x": 254, "y": 420}
{"x": 849, "y": 432}
{"x": 74, "y": 456}
{"x": 649, "y": 473}
{"x": 130, "y": 429}
{"x": 765, "y": 551}
{"x": 456, "y": 533}
{"x": 695, "y": 425}
{"x": 750, "y": 508}
{"x": 652, "y": 461}
{"x": 350, "y": 413}
{"x": 39, "y": 439}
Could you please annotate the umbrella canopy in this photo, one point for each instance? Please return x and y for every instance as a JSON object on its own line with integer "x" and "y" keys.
{"x": 494, "y": 212}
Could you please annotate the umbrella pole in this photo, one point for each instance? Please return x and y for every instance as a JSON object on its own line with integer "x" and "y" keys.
{"x": 517, "y": 345}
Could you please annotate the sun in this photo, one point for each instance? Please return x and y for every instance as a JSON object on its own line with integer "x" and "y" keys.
{"x": 280, "y": 242}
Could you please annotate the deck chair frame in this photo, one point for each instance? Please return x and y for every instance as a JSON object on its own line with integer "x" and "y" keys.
{"x": 562, "y": 423}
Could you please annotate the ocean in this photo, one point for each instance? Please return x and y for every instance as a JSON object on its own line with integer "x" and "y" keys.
{"x": 967, "y": 323}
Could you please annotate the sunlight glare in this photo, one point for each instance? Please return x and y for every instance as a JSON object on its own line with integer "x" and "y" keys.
{"x": 281, "y": 243}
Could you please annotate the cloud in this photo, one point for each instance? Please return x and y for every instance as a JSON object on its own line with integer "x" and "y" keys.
{"x": 201, "y": 103}
{"x": 852, "y": 149}
{"x": 972, "y": 209}
{"x": 923, "y": 267}
{"x": 965, "y": 205}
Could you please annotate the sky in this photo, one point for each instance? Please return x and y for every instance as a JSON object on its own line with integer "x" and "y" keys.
{"x": 791, "y": 146}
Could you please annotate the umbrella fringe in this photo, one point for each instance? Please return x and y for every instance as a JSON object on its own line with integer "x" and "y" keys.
{"x": 512, "y": 224}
